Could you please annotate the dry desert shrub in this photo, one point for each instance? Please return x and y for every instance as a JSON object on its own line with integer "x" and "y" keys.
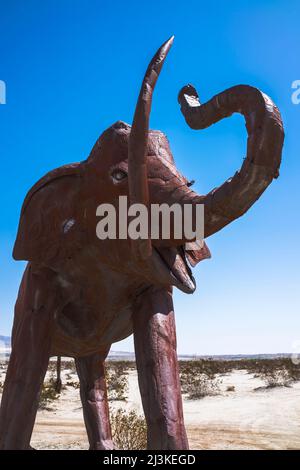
{"x": 124, "y": 366}
{"x": 260, "y": 367}
{"x": 73, "y": 383}
{"x": 129, "y": 430}
{"x": 276, "y": 372}
{"x": 276, "y": 375}
{"x": 211, "y": 366}
{"x": 276, "y": 378}
{"x": 48, "y": 394}
{"x": 198, "y": 380}
{"x": 256, "y": 366}
{"x": 65, "y": 365}
{"x": 117, "y": 383}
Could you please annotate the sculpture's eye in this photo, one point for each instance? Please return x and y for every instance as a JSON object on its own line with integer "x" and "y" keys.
{"x": 118, "y": 175}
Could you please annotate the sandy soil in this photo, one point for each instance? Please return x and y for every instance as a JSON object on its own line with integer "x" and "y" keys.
{"x": 242, "y": 419}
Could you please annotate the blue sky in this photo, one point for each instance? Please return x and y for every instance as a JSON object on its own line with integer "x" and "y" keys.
{"x": 72, "y": 68}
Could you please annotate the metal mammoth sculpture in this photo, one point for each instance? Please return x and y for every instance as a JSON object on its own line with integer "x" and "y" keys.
{"x": 80, "y": 294}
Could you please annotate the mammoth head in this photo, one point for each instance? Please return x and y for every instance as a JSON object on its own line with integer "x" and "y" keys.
{"x": 141, "y": 164}
{"x": 137, "y": 162}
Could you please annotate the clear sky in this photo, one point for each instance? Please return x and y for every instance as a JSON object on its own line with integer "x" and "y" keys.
{"x": 72, "y": 68}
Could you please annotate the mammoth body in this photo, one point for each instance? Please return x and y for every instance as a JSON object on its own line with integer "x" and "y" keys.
{"x": 96, "y": 282}
{"x": 80, "y": 294}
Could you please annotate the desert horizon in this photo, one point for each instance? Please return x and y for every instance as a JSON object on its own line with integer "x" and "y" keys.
{"x": 115, "y": 354}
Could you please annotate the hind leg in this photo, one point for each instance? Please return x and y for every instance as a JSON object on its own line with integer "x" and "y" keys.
{"x": 93, "y": 395}
{"x": 28, "y": 361}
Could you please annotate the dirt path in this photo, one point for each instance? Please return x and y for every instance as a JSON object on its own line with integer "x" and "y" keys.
{"x": 62, "y": 434}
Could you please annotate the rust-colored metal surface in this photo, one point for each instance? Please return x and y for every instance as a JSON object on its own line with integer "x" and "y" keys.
{"x": 80, "y": 294}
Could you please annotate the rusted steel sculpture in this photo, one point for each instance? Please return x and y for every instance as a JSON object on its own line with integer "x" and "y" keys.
{"x": 80, "y": 294}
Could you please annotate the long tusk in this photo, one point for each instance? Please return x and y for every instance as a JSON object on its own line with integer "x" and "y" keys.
{"x": 137, "y": 151}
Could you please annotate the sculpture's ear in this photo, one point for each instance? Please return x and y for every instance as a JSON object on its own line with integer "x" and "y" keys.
{"x": 50, "y": 226}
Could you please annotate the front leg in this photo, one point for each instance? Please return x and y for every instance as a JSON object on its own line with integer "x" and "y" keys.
{"x": 93, "y": 395}
{"x": 156, "y": 358}
{"x": 31, "y": 342}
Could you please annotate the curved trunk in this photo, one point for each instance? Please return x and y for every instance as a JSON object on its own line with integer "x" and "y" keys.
{"x": 264, "y": 146}
{"x": 137, "y": 152}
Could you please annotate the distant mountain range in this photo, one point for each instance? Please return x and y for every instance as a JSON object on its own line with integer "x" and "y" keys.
{"x": 5, "y": 341}
{"x": 5, "y": 345}
{"x": 130, "y": 356}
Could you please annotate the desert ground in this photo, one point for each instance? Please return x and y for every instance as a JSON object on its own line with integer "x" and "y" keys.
{"x": 243, "y": 413}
